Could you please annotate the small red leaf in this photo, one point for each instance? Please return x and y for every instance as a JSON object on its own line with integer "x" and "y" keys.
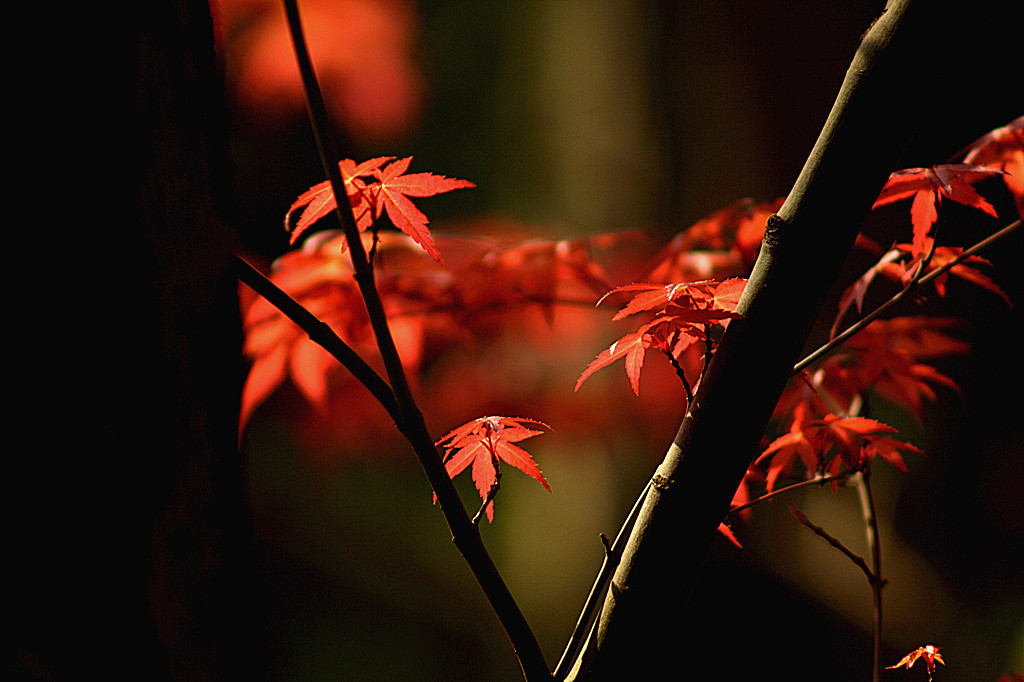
{"x": 632, "y": 347}
{"x": 929, "y": 653}
{"x": 927, "y": 186}
{"x": 390, "y": 193}
{"x": 485, "y": 441}
{"x": 393, "y": 192}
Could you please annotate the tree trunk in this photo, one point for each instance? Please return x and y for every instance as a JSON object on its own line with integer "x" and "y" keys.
{"x": 131, "y": 519}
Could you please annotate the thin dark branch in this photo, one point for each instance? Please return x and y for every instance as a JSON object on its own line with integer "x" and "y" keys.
{"x": 867, "y": 505}
{"x": 465, "y": 534}
{"x": 319, "y": 332}
{"x": 681, "y": 374}
{"x": 360, "y": 262}
{"x": 818, "y": 480}
{"x": 967, "y": 253}
{"x": 613, "y": 553}
{"x": 818, "y": 530}
{"x": 869, "y": 318}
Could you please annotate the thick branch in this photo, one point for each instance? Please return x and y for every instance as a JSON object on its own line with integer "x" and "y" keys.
{"x": 885, "y": 90}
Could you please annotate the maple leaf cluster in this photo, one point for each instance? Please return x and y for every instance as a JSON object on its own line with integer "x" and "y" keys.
{"x": 685, "y": 314}
{"x": 1000, "y": 154}
{"x": 886, "y": 359}
{"x": 693, "y": 287}
{"x": 817, "y": 410}
{"x": 722, "y": 245}
{"x": 429, "y": 308}
{"x": 689, "y": 294}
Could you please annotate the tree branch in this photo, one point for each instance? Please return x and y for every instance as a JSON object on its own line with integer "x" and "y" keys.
{"x": 319, "y": 332}
{"x": 915, "y": 283}
{"x": 611, "y": 561}
{"x": 885, "y": 89}
{"x": 465, "y": 534}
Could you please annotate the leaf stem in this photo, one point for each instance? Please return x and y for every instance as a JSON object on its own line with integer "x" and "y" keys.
{"x": 681, "y": 374}
{"x": 832, "y": 540}
{"x": 818, "y": 480}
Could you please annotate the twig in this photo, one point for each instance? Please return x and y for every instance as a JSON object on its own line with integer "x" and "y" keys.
{"x": 818, "y": 530}
{"x": 360, "y": 263}
{"x": 818, "y": 480}
{"x": 917, "y": 281}
{"x": 465, "y": 534}
{"x": 867, "y": 506}
{"x": 681, "y": 374}
{"x": 612, "y": 554}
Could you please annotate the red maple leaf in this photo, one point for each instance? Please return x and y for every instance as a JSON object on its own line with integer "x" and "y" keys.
{"x": 904, "y": 271}
{"x": 318, "y": 201}
{"x": 901, "y": 263}
{"x": 675, "y": 336}
{"x": 704, "y": 301}
{"x": 684, "y": 311}
{"x": 723, "y": 244}
{"x": 929, "y": 653}
{"x": 1003, "y": 148}
{"x": 927, "y": 186}
{"x": 390, "y": 192}
{"x": 482, "y": 443}
{"x": 850, "y": 440}
{"x": 886, "y": 358}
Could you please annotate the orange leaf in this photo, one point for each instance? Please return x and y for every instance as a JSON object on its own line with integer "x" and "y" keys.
{"x": 482, "y": 443}
{"x": 1003, "y": 148}
{"x": 631, "y": 347}
{"x": 927, "y": 186}
{"x": 389, "y": 193}
{"x": 318, "y": 201}
{"x": 394, "y": 190}
{"x": 929, "y": 653}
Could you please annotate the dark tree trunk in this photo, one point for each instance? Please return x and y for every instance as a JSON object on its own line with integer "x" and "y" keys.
{"x": 131, "y": 525}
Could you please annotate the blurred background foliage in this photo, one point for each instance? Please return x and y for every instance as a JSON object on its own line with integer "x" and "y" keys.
{"x": 577, "y": 118}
